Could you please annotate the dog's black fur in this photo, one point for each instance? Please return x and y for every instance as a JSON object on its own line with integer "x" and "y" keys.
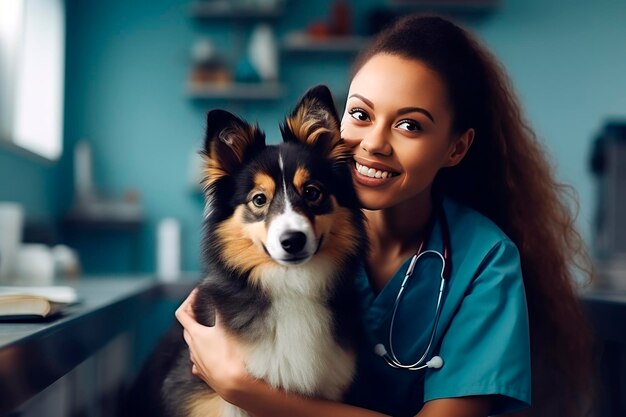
{"x": 235, "y": 152}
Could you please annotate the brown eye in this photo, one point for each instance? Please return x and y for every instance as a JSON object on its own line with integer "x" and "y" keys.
{"x": 312, "y": 193}
{"x": 259, "y": 200}
{"x": 410, "y": 126}
{"x": 359, "y": 114}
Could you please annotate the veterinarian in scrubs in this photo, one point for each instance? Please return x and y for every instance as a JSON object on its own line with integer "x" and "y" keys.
{"x": 439, "y": 143}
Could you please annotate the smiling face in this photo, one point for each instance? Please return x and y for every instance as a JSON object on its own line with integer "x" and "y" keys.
{"x": 398, "y": 124}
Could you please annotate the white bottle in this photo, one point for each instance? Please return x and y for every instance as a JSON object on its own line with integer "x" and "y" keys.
{"x": 11, "y": 220}
{"x": 168, "y": 250}
{"x": 263, "y": 52}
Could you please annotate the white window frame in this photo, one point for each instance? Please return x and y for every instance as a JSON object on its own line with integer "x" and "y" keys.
{"x": 32, "y": 67}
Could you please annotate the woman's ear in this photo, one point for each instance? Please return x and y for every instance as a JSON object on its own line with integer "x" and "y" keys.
{"x": 459, "y": 148}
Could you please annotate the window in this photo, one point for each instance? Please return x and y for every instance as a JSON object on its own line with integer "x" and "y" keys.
{"x": 32, "y": 55}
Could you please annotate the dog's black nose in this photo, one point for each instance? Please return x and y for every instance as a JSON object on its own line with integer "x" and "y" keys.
{"x": 292, "y": 242}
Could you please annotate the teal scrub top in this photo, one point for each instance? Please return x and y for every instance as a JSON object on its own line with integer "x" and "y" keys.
{"x": 482, "y": 335}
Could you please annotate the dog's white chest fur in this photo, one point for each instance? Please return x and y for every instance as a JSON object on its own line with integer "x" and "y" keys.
{"x": 299, "y": 353}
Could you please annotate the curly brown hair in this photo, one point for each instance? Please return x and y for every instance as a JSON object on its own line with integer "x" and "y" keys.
{"x": 507, "y": 177}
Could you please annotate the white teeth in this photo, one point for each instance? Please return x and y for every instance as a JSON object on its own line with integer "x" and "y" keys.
{"x": 371, "y": 172}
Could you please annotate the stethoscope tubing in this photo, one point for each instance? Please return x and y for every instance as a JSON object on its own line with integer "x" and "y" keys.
{"x": 393, "y": 360}
{"x": 435, "y": 362}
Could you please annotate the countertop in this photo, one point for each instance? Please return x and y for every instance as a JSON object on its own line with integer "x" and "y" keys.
{"x": 33, "y": 355}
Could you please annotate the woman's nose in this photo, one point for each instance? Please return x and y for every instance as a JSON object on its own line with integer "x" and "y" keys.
{"x": 372, "y": 139}
{"x": 375, "y": 142}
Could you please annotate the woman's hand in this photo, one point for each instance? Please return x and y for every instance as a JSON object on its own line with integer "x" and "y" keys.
{"x": 217, "y": 359}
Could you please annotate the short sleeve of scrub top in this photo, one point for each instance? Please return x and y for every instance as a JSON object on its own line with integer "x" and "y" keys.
{"x": 482, "y": 334}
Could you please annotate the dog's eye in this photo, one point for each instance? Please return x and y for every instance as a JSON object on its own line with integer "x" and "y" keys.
{"x": 259, "y": 200}
{"x": 312, "y": 193}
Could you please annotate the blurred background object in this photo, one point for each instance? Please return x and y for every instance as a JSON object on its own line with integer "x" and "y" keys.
{"x": 207, "y": 66}
{"x": 90, "y": 203}
{"x": 26, "y": 263}
{"x": 263, "y": 52}
{"x": 11, "y": 219}
{"x": 35, "y": 265}
{"x": 608, "y": 164}
{"x": 168, "y": 250}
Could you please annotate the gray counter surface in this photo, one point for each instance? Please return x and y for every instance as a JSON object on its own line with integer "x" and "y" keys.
{"x": 33, "y": 355}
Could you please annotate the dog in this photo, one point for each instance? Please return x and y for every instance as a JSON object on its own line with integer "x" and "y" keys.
{"x": 284, "y": 237}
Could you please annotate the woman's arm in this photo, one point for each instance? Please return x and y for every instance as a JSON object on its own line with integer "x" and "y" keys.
{"x": 218, "y": 361}
{"x": 478, "y": 406}
{"x": 258, "y": 399}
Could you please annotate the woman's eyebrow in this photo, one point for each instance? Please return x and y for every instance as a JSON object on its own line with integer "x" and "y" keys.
{"x": 425, "y": 112}
{"x": 363, "y": 99}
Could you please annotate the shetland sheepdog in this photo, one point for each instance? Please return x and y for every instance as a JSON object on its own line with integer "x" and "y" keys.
{"x": 284, "y": 236}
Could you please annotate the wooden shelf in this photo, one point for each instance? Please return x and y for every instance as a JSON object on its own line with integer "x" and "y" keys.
{"x": 224, "y": 10}
{"x": 451, "y": 6}
{"x": 236, "y": 91}
{"x": 93, "y": 223}
{"x": 300, "y": 42}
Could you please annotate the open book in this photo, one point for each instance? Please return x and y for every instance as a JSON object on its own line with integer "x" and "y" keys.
{"x": 24, "y": 302}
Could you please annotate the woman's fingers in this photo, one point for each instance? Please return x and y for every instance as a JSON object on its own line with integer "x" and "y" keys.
{"x": 184, "y": 314}
{"x": 187, "y": 305}
{"x": 210, "y": 348}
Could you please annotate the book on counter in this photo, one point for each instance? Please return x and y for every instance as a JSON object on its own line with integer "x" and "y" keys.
{"x": 26, "y": 302}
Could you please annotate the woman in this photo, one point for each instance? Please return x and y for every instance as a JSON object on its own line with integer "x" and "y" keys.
{"x": 439, "y": 143}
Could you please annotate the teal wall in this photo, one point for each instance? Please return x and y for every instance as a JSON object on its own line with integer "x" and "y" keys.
{"x": 127, "y": 62}
{"x": 28, "y": 180}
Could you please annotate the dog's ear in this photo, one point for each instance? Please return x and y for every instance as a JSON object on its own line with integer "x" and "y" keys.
{"x": 315, "y": 122}
{"x": 227, "y": 142}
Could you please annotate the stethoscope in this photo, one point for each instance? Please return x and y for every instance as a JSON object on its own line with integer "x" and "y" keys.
{"x": 435, "y": 362}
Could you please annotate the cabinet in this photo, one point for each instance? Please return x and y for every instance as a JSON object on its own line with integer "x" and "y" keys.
{"x": 203, "y": 9}
{"x": 299, "y": 42}
{"x": 454, "y": 6}
{"x": 236, "y": 91}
